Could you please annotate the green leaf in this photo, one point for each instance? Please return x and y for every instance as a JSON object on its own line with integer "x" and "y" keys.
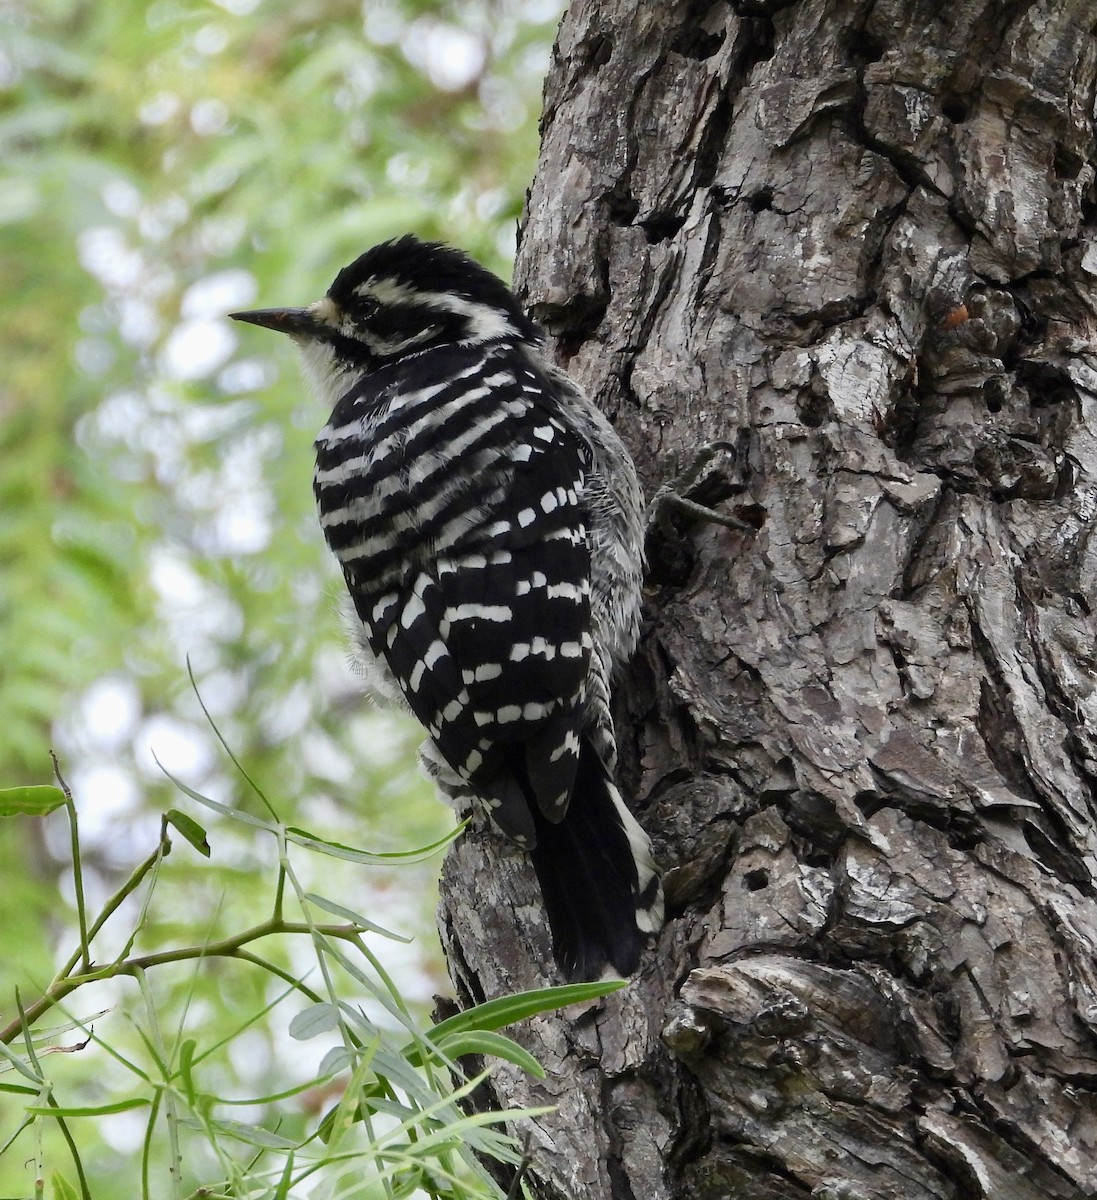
{"x": 337, "y": 910}
{"x": 21, "y": 1065}
{"x": 19, "y": 1089}
{"x": 371, "y": 1093}
{"x": 313, "y": 1021}
{"x": 480, "y": 1041}
{"x": 62, "y": 1189}
{"x": 223, "y": 809}
{"x": 337, "y": 1059}
{"x": 186, "y": 1067}
{"x": 35, "y": 801}
{"x": 508, "y": 1009}
{"x": 338, "y": 850}
{"x": 254, "y": 1135}
{"x": 93, "y": 1110}
{"x": 282, "y": 1191}
{"x": 190, "y": 829}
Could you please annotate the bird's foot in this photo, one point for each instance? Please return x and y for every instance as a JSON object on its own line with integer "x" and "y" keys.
{"x": 675, "y": 498}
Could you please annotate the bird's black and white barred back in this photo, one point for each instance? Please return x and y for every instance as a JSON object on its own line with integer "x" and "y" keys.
{"x": 489, "y": 525}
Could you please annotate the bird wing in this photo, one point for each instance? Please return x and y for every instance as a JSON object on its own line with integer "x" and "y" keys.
{"x": 488, "y": 630}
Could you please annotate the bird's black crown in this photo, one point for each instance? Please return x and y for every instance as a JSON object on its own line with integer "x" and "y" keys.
{"x": 421, "y": 270}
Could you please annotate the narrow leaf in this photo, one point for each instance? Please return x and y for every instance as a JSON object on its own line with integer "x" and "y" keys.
{"x": 282, "y": 1191}
{"x": 480, "y": 1041}
{"x": 186, "y": 1067}
{"x": 34, "y": 801}
{"x": 190, "y": 829}
{"x": 508, "y": 1009}
{"x": 338, "y": 850}
{"x": 337, "y": 910}
{"x": 254, "y": 1135}
{"x": 223, "y": 809}
{"x": 93, "y": 1110}
{"x": 313, "y": 1021}
{"x": 21, "y": 1065}
{"x": 337, "y": 1059}
{"x": 62, "y": 1189}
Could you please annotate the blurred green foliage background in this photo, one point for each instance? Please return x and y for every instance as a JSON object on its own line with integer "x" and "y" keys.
{"x": 161, "y": 164}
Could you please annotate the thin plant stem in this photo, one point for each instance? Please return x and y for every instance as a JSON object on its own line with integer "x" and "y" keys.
{"x": 171, "y": 1108}
{"x": 77, "y": 865}
{"x": 226, "y": 948}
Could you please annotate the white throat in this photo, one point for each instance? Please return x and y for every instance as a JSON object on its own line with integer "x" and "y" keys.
{"x": 328, "y": 379}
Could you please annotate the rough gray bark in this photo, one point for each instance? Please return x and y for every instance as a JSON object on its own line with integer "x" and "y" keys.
{"x": 858, "y": 240}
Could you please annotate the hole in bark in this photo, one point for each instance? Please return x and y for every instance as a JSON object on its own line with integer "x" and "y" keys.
{"x": 899, "y": 427}
{"x": 599, "y": 50}
{"x": 572, "y": 323}
{"x": 762, "y": 200}
{"x": 814, "y": 409}
{"x": 756, "y": 880}
{"x": 621, "y": 205}
{"x": 813, "y": 819}
{"x": 820, "y": 858}
{"x": 1067, "y": 164}
{"x": 661, "y": 227}
{"x": 692, "y": 42}
{"x": 863, "y": 47}
{"x": 758, "y": 39}
{"x": 1047, "y": 384}
{"x": 955, "y": 109}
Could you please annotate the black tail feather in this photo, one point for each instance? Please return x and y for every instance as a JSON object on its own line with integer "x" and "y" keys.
{"x": 598, "y": 885}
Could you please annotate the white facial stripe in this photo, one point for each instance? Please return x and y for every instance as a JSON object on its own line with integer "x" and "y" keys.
{"x": 484, "y": 322}
{"x": 387, "y": 291}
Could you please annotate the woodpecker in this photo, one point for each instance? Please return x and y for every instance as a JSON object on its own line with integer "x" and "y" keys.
{"x": 489, "y": 524}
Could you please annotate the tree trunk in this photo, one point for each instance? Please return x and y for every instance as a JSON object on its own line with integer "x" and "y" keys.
{"x": 857, "y": 240}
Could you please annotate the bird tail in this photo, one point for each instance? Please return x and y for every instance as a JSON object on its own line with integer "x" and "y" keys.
{"x": 600, "y": 885}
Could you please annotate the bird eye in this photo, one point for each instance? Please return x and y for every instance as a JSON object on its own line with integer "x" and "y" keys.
{"x": 366, "y": 306}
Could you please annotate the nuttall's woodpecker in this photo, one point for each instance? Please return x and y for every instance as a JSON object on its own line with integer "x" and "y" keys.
{"x": 489, "y": 524}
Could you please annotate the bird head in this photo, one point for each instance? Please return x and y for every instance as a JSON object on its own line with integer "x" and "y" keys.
{"x": 400, "y": 298}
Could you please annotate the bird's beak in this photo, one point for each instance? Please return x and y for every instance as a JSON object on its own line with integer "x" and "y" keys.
{"x": 299, "y": 321}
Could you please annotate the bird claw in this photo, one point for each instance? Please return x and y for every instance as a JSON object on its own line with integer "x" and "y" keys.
{"x": 673, "y": 496}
